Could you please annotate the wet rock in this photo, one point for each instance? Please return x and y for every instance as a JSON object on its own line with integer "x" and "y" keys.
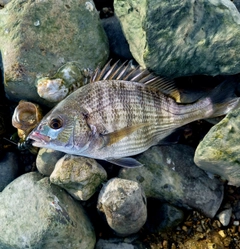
{"x": 162, "y": 216}
{"x": 37, "y": 214}
{"x": 8, "y": 169}
{"x": 37, "y": 38}
{"x": 225, "y": 216}
{"x": 117, "y": 42}
{"x": 46, "y": 160}
{"x": 218, "y": 152}
{"x": 130, "y": 242}
{"x": 169, "y": 176}
{"x": 182, "y": 38}
{"x": 237, "y": 4}
{"x": 123, "y": 204}
{"x": 236, "y": 210}
{"x": 67, "y": 79}
{"x": 4, "y": 2}
{"x": 105, "y": 244}
{"x": 80, "y": 176}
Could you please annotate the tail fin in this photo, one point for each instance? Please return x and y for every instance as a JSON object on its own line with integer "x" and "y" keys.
{"x": 223, "y": 98}
{"x": 218, "y": 102}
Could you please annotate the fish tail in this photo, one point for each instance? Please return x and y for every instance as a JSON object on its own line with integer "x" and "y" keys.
{"x": 223, "y": 99}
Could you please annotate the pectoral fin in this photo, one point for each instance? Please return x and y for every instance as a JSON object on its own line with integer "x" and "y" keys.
{"x": 126, "y": 162}
{"x": 114, "y": 137}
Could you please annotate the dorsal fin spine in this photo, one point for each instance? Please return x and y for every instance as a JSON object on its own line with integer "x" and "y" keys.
{"x": 127, "y": 77}
{"x": 127, "y": 72}
{"x": 122, "y": 73}
{"x": 104, "y": 70}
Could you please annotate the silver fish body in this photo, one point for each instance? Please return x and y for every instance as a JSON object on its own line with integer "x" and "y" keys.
{"x": 113, "y": 119}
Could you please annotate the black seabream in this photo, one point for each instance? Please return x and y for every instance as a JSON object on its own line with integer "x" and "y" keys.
{"x": 123, "y": 112}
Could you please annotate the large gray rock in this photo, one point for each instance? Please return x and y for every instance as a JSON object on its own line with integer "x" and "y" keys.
{"x": 117, "y": 42}
{"x": 37, "y": 214}
{"x": 177, "y": 38}
{"x": 37, "y": 38}
{"x": 123, "y": 204}
{"x": 218, "y": 152}
{"x": 4, "y": 2}
{"x": 237, "y": 4}
{"x": 169, "y": 174}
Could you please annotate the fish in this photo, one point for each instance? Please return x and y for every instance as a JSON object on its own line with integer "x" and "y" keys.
{"x": 123, "y": 112}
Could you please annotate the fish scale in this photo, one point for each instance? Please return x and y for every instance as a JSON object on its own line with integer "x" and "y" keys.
{"x": 132, "y": 106}
{"x": 114, "y": 117}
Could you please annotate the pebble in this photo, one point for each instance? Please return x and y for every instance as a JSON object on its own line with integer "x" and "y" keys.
{"x": 225, "y": 216}
{"x": 236, "y": 223}
{"x": 222, "y": 233}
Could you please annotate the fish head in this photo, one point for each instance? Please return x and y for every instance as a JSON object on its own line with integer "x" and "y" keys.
{"x": 63, "y": 131}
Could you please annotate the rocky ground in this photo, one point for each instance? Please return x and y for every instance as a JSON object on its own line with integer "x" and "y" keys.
{"x": 194, "y": 231}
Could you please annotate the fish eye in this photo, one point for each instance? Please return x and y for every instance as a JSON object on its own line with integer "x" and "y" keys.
{"x": 56, "y": 123}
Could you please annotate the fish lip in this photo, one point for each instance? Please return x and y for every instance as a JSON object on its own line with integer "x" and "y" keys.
{"x": 38, "y": 138}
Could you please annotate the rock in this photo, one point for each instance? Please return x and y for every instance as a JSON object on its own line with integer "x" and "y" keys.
{"x": 46, "y": 160}
{"x": 36, "y": 39}
{"x": 37, "y": 214}
{"x": 169, "y": 174}
{"x": 105, "y": 244}
{"x": 237, "y": 4}
{"x": 80, "y": 176}
{"x": 123, "y": 203}
{"x": 218, "y": 152}
{"x": 162, "y": 216}
{"x": 4, "y": 2}
{"x": 8, "y": 169}
{"x": 118, "y": 45}
{"x": 225, "y": 216}
{"x": 67, "y": 79}
{"x": 182, "y": 38}
{"x": 130, "y": 242}
{"x": 236, "y": 210}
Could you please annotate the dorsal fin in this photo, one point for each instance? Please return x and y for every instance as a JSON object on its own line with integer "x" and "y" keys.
{"x": 128, "y": 72}
{"x": 119, "y": 71}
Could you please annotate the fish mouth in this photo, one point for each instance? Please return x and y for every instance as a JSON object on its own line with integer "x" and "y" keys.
{"x": 38, "y": 138}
